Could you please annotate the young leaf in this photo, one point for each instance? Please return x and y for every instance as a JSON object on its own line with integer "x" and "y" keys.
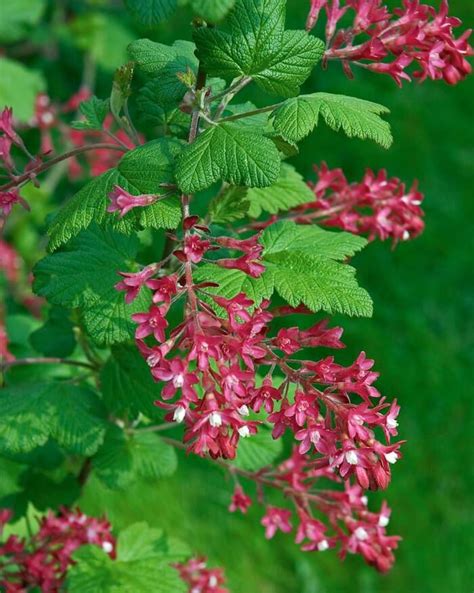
{"x": 258, "y": 46}
{"x": 288, "y": 191}
{"x": 20, "y": 87}
{"x": 122, "y": 459}
{"x": 94, "y": 111}
{"x": 30, "y": 414}
{"x": 229, "y": 152}
{"x": 305, "y": 264}
{"x": 230, "y": 205}
{"x": 258, "y": 451}
{"x": 158, "y": 59}
{"x": 212, "y": 10}
{"x": 84, "y": 275}
{"x": 297, "y": 117}
{"x": 150, "y": 13}
{"x": 143, "y": 565}
{"x": 127, "y": 385}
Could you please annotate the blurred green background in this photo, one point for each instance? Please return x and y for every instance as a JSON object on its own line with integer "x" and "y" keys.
{"x": 421, "y": 334}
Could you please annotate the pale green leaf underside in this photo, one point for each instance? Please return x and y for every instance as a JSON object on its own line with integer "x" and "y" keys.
{"x": 297, "y": 117}
{"x": 228, "y": 152}
{"x": 30, "y": 414}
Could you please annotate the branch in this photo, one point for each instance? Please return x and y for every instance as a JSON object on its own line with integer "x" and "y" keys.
{"x": 54, "y": 161}
{"x": 46, "y": 360}
{"x": 250, "y": 113}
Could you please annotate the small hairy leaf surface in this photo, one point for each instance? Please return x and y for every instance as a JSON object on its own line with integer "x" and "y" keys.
{"x": 124, "y": 458}
{"x": 94, "y": 111}
{"x": 30, "y": 414}
{"x": 258, "y": 451}
{"x": 229, "y": 152}
{"x": 288, "y": 191}
{"x": 150, "y": 12}
{"x": 297, "y": 117}
{"x": 305, "y": 262}
{"x": 127, "y": 385}
{"x": 257, "y": 45}
{"x": 85, "y": 274}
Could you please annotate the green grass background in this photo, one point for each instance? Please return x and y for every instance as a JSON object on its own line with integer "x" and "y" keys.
{"x": 421, "y": 336}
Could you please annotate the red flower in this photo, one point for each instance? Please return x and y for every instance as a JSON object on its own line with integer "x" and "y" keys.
{"x": 240, "y": 501}
{"x": 123, "y": 202}
{"x": 276, "y": 519}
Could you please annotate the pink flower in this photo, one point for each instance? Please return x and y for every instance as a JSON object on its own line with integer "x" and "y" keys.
{"x": 177, "y": 376}
{"x": 8, "y": 199}
{"x": 201, "y": 579}
{"x": 164, "y": 289}
{"x": 195, "y": 248}
{"x": 151, "y": 323}
{"x": 389, "y": 42}
{"x": 6, "y": 126}
{"x": 240, "y": 501}
{"x": 123, "y": 202}
{"x": 276, "y": 519}
{"x": 133, "y": 282}
{"x": 5, "y": 354}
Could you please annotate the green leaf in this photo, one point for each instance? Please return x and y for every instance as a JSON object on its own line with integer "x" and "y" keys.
{"x": 258, "y": 450}
{"x": 258, "y": 46}
{"x": 167, "y": 117}
{"x": 150, "y": 13}
{"x": 305, "y": 262}
{"x": 297, "y": 117}
{"x": 142, "y": 565}
{"x": 19, "y": 88}
{"x": 18, "y": 17}
{"x": 123, "y": 459}
{"x": 229, "y": 152}
{"x": 233, "y": 282}
{"x": 286, "y": 236}
{"x": 230, "y": 205}
{"x": 157, "y": 59}
{"x": 32, "y": 413}
{"x": 212, "y": 10}
{"x": 85, "y": 274}
{"x": 47, "y": 493}
{"x": 140, "y": 171}
{"x": 288, "y": 191}
{"x": 94, "y": 111}
{"x": 56, "y": 336}
{"x": 127, "y": 385}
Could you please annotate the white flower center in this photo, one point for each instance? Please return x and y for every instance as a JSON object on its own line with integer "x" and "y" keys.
{"x": 178, "y": 380}
{"x": 323, "y": 545}
{"x": 215, "y": 419}
{"x": 351, "y": 457}
{"x": 406, "y": 235}
{"x": 383, "y": 521}
{"x": 391, "y": 457}
{"x": 244, "y": 431}
{"x": 391, "y": 423}
{"x": 107, "y": 547}
{"x": 179, "y": 414}
{"x": 244, "y": 410}
{"x": 361, "y": 534}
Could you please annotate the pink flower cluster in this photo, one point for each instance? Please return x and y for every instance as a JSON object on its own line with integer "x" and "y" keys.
{"x": 200, "y": 578}
{"x": 5, "y": 354}
{"x": 388, "y": 42}
{"x": 343, "y": 522}
{"x": 379, "y": 206}
{"x": 10, "y": 262}
{"x": 43, "y": 561}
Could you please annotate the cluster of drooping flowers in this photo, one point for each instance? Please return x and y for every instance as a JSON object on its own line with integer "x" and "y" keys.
{"x": 201, "y": 579}
{"x": 10, "y": 262}
{"x": 321, "y": 518}
{"x": 379, "y": 206}
{"x": 44, "y": 559}
{"x": 388, "y": 42}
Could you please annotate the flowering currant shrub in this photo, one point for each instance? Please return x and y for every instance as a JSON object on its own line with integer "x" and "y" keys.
{"x": 186, "y": 298}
